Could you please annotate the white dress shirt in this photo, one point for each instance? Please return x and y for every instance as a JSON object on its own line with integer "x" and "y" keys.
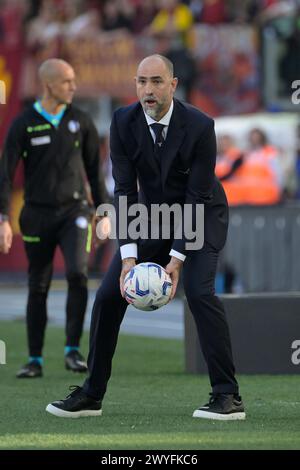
{"x": 130, "y": 249}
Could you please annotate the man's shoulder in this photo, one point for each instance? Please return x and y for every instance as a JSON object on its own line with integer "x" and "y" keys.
{"x": 26, "y": 113}
{"x": 23, "y": 119}
{"x": 126, "y": 113}
{"x": 194, "y": 114}
{"x": 84, "y": 119}
{"x": 77, "y": 113}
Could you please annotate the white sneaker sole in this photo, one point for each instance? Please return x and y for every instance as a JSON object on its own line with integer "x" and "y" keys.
{"x": 72, "y": 414}
{"x": 219, "y": 416}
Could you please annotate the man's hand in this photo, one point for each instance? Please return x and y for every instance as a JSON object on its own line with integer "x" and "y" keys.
{"x": 173, "y": 269}
{"x": 102, "y": 227}
{"x": 6, "y": 236}
{"x": 127, "y": 265}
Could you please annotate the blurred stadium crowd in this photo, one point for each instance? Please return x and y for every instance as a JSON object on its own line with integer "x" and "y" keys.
{"x": 43, "y": 18}
{"x": 235, "y": 60}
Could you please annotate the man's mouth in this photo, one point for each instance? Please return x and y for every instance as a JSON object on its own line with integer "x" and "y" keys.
{"x": 150, "y": 102}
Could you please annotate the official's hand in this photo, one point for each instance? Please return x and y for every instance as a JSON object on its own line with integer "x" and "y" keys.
{"x": 127, "y": 265}
{"x": 101, "y": 226}
{"x": 6, "y": 237}
{"x": 173, "y": 269}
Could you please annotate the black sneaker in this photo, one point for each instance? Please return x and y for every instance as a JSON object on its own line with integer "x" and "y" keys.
{"x": 30, "y": 370}
{"x": 75, "y": 361}
{"x": 222, "y": 406}
{"x": 76, "y": 405}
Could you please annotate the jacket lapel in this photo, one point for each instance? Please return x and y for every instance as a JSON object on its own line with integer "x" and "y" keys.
{"x": 143, "y": 138}
{"x": 176, "y": 133}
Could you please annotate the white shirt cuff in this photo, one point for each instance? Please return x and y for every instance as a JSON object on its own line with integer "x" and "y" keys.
{"x": 178, "y": 255}
{"x": 129, "y": 250}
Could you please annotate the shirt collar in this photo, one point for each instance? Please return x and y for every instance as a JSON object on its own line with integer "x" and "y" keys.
{"x": 165, "y": 120}
{"x": 54, "y": 119}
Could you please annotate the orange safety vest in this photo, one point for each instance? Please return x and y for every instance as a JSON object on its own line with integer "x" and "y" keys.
{"x": 259, "y": 178}
{"x": 225, "y": 161}
{"x": 232, "y": 186}
{"x": 255, "y": 181}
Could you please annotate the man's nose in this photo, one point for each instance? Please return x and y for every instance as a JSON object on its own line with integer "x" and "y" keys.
{"x": 148, "y": 88}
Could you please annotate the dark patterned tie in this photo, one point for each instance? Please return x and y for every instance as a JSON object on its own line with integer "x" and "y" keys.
{"x": 158, "y": 129}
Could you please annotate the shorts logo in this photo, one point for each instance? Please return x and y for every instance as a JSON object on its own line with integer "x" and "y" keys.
{"x": 73, "y": 126}
{"x": 81, "y": 222}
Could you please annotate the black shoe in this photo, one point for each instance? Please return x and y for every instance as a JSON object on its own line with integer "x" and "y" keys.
{"x": 222, "y": 406}
{"x": 76, "y": 405}
{"x": 30, "y": 371}
{"x": 75, "y": 361}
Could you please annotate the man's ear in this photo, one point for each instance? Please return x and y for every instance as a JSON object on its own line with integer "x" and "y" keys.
{"x": 48, "y": 88}
{"x": 174, "y": 83}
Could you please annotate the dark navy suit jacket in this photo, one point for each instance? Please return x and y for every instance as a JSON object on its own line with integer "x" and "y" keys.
{"x": 185, "y": 173}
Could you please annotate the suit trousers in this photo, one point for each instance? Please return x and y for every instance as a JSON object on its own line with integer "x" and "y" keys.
{"x": 199, "y": 270}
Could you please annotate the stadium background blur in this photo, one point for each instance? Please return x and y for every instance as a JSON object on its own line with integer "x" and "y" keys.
{"x": 237, "y": 61}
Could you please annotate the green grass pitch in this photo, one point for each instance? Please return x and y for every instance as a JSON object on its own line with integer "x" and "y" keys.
{"x": 148, "y": 405}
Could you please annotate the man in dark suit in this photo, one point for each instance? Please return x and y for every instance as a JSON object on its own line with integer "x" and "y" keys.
{"x": 170, "y": 149}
